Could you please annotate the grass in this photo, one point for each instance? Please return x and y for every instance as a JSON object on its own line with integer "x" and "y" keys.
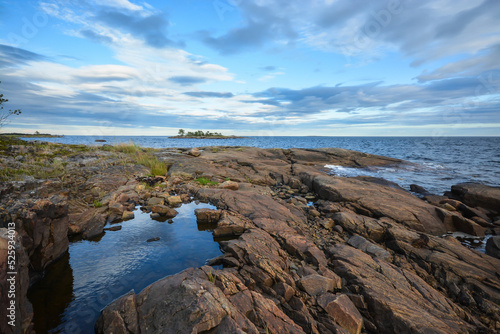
{"x": 141, "y": 156}
{"x": 211, "y": 277}
{"x": 97, "y": 204}
{"x": 205, "y": 181}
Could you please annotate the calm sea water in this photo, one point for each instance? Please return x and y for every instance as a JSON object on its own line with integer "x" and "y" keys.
{"x": 440, "y": 162}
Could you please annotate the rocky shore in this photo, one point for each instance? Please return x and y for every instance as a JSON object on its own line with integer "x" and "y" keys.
{"x": 306, "y": 252}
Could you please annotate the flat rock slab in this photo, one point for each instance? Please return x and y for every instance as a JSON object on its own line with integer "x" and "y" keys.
{"x": 475, "y": 194}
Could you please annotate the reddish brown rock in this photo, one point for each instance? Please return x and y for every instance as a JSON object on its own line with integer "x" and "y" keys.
{"x": 164, "y": 211}
{"x": 474, "y": 194}
{"x": 207, "y": 215}
{"x": 231, "y": 185}
{"x": 316, "y": 284}
{"x": 343, "y": 311}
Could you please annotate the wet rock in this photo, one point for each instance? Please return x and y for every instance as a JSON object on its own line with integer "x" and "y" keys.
{"x": 153, "y": 239}
{"x": 316, "y": 284}
{"x": 418, "y": 189}
{"x": 155, "y": 215}
{"x": 229, "y": 185}
{"x": 164, "y": 211}
{"x": 493, "y": 246}
{"x": 343, "y": 311}
{"x": 207, "y": 215}
{"x": 127, "y": 215}
{"x": 113, "y": 228}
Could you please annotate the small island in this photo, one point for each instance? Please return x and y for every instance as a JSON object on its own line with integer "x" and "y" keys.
{"x": 203, "y": 135}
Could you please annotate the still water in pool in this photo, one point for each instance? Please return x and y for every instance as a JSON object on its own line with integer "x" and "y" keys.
{"x": 95, "y": 272}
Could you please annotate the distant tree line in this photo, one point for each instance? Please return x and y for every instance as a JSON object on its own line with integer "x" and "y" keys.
{"x": 199, "y": 133}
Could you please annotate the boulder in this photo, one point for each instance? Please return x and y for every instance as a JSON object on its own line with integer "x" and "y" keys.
{"x": 207, "y": 215}
{"x": 174, "y": 200}
{"x": 231, "y": 185}
{"x": 475, "y": 194}
{"x": 195, "y": 152}
{"x": 89, "y": 223}
{"x": 164, "y": 211}
{"x": 316, "y": 284}
{"x": 186, "y": 302}
{"x": 343, "y": 311}
{"x": 127, "y": 215}
{"x": 155, "y": 201}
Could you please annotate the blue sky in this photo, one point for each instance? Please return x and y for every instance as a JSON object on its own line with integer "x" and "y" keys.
{"x": 319, "y": 67}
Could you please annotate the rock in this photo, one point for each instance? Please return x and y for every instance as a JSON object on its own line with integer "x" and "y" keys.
{"x": 313, "y": 212}
{"x": 398, "y": 298}
{"x": 17, "y": 284}
{"x": 379, "y": 200}
{"x": 316, "y": 284}
{"x": 195, "y": 152}
{"x": 174, "y": 200}
{"x": 127, "y": 215}
{"x": 284, "y": 290}
{"x": 448, "y": 207}
{"x": 155, "y": 215}
{"x": 229, "y": 185}
{"x": 164, "y": 211}
{"x": 474, "y": 194}
{"x": 368, "y": 247}
{"x": 207, "y": 215}
{"x": 155, "y": 201}
{"x": 232, "y": 225}
{"x": 338, "y": 229}
{"x": 456, "y": 222}
{"x": 153, "y": 239}
{"x": 418, "y": 189}
{"x": 89, "y": 223}
{"x": 43, "y": 227}
{"x": 184, "y": 302}
{"x": 343, "y": 311}
{"x": 493, "y": 246}
{"x": 113, "y": 228}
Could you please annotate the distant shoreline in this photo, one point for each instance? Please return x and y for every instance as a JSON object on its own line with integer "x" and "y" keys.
{"x": 31, "y": 135}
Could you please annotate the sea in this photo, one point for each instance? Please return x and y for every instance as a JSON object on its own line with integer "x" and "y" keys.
{"x": 437, "y": 163}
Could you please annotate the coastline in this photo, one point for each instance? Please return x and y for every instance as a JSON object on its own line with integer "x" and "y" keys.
{"x": 304, "y": 245}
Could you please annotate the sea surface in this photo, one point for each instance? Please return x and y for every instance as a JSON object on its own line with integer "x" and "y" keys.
{"x": 439, "y": 162}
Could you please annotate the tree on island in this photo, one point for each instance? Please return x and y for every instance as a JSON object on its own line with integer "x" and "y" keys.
{"x": 199, "y": 133}
{"x": 6, "y": 114}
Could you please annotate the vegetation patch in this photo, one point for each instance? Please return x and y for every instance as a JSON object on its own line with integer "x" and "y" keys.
{"x": 205, "y": 181}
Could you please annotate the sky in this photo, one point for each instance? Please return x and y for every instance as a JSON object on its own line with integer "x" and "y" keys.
{"x": 252, "y": 67}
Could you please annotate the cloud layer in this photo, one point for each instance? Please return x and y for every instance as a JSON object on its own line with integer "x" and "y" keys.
{"x": 162, "y": 76}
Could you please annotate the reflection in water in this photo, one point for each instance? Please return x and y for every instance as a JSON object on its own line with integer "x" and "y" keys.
{"x": 52, "y": 295}
{"x": 100, "y": 271}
